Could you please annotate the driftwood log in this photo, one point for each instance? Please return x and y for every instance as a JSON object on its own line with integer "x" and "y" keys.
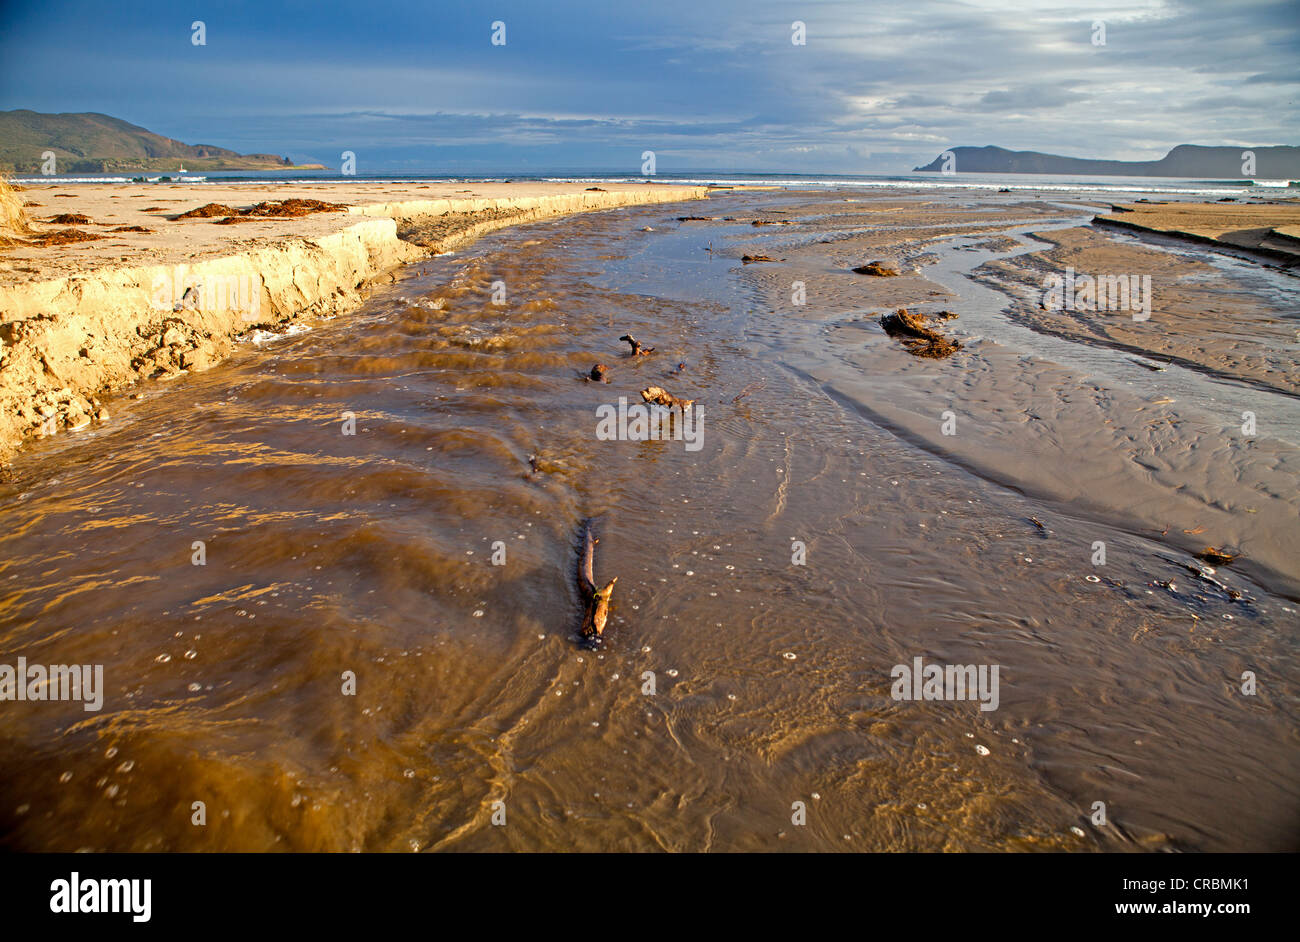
{"x": 657, "y": 395}
{"x": 637, "y": 349}
{"x": 595, "y": 601}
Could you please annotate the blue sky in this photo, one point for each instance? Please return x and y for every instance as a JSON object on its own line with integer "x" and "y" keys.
{"x": 878, "y": 87}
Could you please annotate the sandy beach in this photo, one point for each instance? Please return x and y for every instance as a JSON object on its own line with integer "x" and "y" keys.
{"x": 83, "y": 320}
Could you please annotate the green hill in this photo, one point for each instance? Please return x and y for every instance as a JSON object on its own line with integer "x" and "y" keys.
{"x": 97, "y": 143}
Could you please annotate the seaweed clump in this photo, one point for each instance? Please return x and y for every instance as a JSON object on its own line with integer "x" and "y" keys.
{"x": 915, "y": 333}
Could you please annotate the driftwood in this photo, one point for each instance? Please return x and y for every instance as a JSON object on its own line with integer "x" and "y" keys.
{"x": 759, "y": 258}
{"x": 1217, "y": 556}
{"x": 879, "y": 269}
{"x": 657, "y": 395}
{"x": 598, "y": 374}
{"x": 596, "y": 601}
{"x": 637, "y": 349}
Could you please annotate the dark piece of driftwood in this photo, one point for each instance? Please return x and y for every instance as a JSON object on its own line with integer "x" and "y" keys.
{"x": 917, "y": 336}
{"x": 637, "y": 349}
{"x": 595, "y": 601}
{"x": 879, "y": 269}
{"x": 598, "y": 373}
{"x": 1217, "y": 556}
{"x": 759, "y": 258}
{"x": 657, "y": 395}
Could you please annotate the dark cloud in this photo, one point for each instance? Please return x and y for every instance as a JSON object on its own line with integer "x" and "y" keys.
{"x": 586, "y": 85}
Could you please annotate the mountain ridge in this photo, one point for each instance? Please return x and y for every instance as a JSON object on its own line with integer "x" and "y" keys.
{"x": 1184, "y": 160}
{"x": 91, "y": 142}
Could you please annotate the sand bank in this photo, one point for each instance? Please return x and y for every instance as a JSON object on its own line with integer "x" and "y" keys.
{"x": 156, "y": 294}
{"x": 1268, "y": 229}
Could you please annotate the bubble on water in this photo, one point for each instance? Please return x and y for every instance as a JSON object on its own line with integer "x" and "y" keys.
{"x": 65, "y": 778}
{"x": 195, "y": 688}
{"x": 1092, "y": 578}
{"x": 982, "y": 750}
{"x": 478, "y": 613}
{"x": 163, "y": 658}
{"x": 414, "y": 845}
{"x": 191, "y": 654}
{"x": 1078, "y": 831}
{"x": 409, "y": 773}
{"x": 646, "y": 649}
{"x": 789, "y": 655}
{"x": 126, "y": 766}
{"x": 111, "y": 791}
{"x": 110, "y": 752}
{"x": 731, "y": 696}
{"x": 816, "y": 796}
{"x": 673, "y": 672}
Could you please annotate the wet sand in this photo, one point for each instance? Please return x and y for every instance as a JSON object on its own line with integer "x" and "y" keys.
{"x": 373, "y": 553}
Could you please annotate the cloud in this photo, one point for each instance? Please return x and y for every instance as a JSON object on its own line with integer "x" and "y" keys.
{"x": 582, "y": 85}
{"x": 1030, "y": 98}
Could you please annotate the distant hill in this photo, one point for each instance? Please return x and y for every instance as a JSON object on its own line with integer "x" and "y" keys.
{"x": 97, "y": 143}
{"x": 1185, "y": 160}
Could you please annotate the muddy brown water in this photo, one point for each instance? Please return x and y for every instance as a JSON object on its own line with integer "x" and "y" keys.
{"x": 826, "y": 530}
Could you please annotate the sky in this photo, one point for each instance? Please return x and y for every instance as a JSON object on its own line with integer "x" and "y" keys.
{"x": 875, "y": 87}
